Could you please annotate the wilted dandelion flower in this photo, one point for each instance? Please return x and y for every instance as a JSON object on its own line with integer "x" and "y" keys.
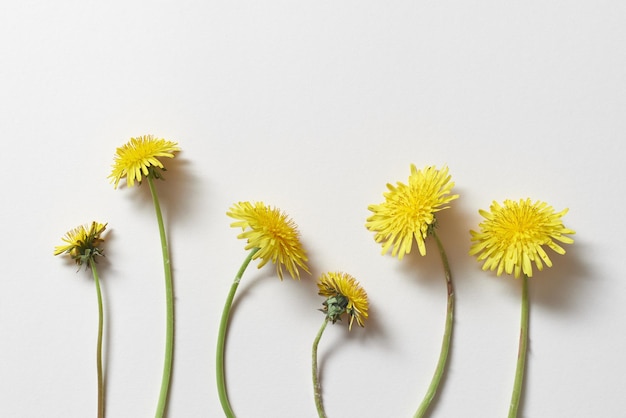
{"x": 513, "y": 234}
{"x": 140, "y": 157}
{"x": 82, "y": 243}
{"x": 273, "y": 233}
{"x": 408, "y": 211}
{"x": 344, "y": 294}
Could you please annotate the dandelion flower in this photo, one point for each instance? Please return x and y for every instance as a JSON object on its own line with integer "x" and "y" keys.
{"x": 510, "y": 240}
{"x": 271, "y": 236}
{"x": 513, "y": 234}
{"x": 82, "y": 243}
{"x": 408, "y": 211}
{"x": 273, "y": 233}
{"x": 140, "y": 157}
{"x": 344, "y": 294}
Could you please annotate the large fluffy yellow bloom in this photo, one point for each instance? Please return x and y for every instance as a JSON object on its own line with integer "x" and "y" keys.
{"x": 82, "y": 243}
{"x": 513, "y": 235}
{"x": 273, "y": 233}
{"x": 408, "y": 211}
{"x": 348, "y": 296}
{"x": 138, "y": 157}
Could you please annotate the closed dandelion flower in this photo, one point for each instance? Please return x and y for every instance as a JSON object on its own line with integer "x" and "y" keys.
{"x": 344, "y": 294}
{"x": 273, "y": 233}
{"x": 140, "y": 157}
{"x": 513, "y": 234}
{"x": 408, "y": 211}
{"x": 82, "y": 243}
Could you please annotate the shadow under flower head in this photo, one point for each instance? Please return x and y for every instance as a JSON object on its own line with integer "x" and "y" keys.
{"x": 140, "y": 156}
{"x": 273, "y": 233}
{"x": 513, "y": 235}
{"x": 343, "y": 294}
{"x": 409, "y": 210}
{"x": 82, "y": 243}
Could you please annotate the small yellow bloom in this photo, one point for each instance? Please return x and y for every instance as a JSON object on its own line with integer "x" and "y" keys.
{"x": 140, "y": 156}
{"x": 409, "y": 210}
{"x": 513, "y": 235}
{"x": 344, "y": 294}
{"x": 273, "y": 233}
{"x": 82, "y": 243}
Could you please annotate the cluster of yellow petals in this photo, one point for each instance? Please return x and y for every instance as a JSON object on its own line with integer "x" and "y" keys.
{"x": 82, "y": 242}
{"x": 342, "y": 284}
{"x": 133, "y": 159}
{"x": 273, "y": 233}
{"x": 513, "y": 234}
{"x": 408, "y": 211}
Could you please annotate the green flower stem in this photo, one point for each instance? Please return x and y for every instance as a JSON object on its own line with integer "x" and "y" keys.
{"x": 99, "y": 344}
{"x": 521, "y": 355}
{"x": 447, "y": 336}
{"x": 169, "y": 302}
{"x": 317, "y": 388}
{"x": 221, "y": 338}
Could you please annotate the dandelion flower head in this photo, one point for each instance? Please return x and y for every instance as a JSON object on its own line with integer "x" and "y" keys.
{"x": 82, "y": 243}
{"x": 140, "y": 157}
{"x": 273, "y": 233}
{"x": 344, "y": 294}
{"x": 408, "y": 211}
{"x": 513, "y": 235}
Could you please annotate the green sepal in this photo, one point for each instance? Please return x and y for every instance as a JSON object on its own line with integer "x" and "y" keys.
{"x": 334, "y": 307}
{"x": 156, "y": 172}
{"x": 431, "y": 227}
{"x": 87, "y": 257}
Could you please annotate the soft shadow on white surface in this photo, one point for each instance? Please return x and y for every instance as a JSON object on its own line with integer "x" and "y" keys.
{"x": 313, "y": 108}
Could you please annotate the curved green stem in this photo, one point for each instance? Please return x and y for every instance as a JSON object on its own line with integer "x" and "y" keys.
{"x": 521, "y": 355}
{"x": 447, "y": 335}
{"x": 169, "y": 302}
{"x": 221, "y": 338}
{"x": 99, "y": 344}
{"x": 317, "y": 388}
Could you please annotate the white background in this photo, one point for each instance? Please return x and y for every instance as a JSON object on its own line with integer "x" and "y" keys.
{"x": 312, "y": 107}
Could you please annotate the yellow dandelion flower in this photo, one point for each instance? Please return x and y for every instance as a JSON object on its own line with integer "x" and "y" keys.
{"x": 344, "y": 294}
{"x": 271, "y": 236}
{"x": 82, "y": 243}
{"x": 513, "y": 235}
{"x": 140, "y": 156}
{"x": 273, "y": 233}
{"x": 408, "y": 211}
{"x": 137, "y": 159}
